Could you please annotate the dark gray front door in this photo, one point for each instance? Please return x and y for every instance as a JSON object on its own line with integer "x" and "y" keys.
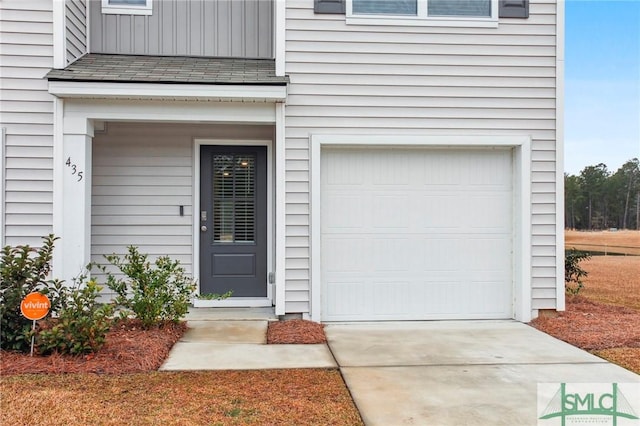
{"x": 233, "y": 220}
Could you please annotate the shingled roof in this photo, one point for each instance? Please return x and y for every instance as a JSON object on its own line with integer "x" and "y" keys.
{"x": 98, "y": 67}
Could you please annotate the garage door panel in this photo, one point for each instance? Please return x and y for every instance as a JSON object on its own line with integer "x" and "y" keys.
{"x": 345, "y": 169}
{"x": 442, "y": 212}
{"x": 490, "y": 168}
{"x": 427, "y": 234}
{"x": 484, "y": 207}
{"x": 444, "y": 169}
{"x": 438, "y": 297}
{"x": 386, "y": 176}
{"x": 442, "y": 254}
{"x": 390, "y": 212}
{"x": 341, "y": 254}
{"x": 347, "y": 299}
{"x": 347, "y": 212}
{"x": 391, "y": 297}
{"x": 480, "y": 255}
{"x": 389, "y": 254}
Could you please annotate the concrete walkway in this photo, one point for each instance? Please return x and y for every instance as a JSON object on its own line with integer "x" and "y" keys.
{"x": 458, "y": 372}
{"x": 435, "y": 373}
{"x": 235, "y": 339}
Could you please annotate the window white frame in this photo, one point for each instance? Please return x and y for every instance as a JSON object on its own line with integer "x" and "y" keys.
{"x": 124, "y": 9}
{"x": 422, "y": 19}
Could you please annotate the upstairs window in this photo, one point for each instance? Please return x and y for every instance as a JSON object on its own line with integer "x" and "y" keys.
{"x": 127, "y": 7}
{"x": 422, "y": 12}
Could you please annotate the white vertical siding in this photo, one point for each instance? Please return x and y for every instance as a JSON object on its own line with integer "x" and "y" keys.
{"x": 26, "y": 112}
{"x": 356, "y": 79}
{"x": 76, "y": 29}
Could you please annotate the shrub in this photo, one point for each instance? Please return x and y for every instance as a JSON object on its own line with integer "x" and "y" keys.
{"x": 82, "y": 323}
{"x": 154, "y": 294}
{"x": 23, "y": 270}
{"x": 215, "y": 296}
{"x": 573, "y": 273}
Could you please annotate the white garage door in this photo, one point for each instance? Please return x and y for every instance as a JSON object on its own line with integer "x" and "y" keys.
{"x": 410, "y": 234}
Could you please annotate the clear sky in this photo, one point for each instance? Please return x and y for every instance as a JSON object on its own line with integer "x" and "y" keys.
{"x": 602, "y": 83}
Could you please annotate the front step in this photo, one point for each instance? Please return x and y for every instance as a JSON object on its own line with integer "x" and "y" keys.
{"x": 231, "y": 314}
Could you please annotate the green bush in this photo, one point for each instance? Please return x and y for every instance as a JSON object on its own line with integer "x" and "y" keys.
{"x": 154, "y": 294}
{"x": 215, "y": 296}
{"x": 23, "y": 270}
{"x": 81, "y": 324}
{"x": 573, "y": 273}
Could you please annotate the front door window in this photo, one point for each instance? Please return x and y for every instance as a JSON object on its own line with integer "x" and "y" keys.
{"x": 234, "y": 198}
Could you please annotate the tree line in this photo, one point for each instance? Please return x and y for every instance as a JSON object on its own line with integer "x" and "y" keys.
{"x": 599, "y": 199}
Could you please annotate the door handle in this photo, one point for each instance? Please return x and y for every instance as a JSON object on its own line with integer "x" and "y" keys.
{"x": 203, "y": 228}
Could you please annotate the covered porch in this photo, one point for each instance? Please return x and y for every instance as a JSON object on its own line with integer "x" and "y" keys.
{"x": 127, "y": 164}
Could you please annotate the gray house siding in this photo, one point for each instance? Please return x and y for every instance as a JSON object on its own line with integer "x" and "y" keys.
{"x": 26, "y": 113}
{"x": 76, "y": 29}
{"x": 238, "y": 28}
{"x": 357, "y": 79}
{"x": 141, "y": 175}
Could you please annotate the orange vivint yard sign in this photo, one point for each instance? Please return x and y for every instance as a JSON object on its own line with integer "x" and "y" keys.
{"x": 35, "y": 306}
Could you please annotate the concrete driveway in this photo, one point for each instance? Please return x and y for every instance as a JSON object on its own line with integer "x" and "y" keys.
{"x": 458, "y": 372}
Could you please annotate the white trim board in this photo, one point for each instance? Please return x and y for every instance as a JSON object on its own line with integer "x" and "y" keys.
{"x": 280, "y": 211}
{"x": 59, "y": 34}
{"x": 279, "y": 41}
{"x": 77, "y": 110}
{"x": 522, "y": 201}
{"x": 79, "y": 89}
{"x": 3, "y": 179}
{"x": 560, "y": 291}
{"x": 197, "y": 143}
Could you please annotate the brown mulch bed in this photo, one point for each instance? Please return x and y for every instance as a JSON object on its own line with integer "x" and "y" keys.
{"x": 128, "y": 349}
{"x": 296, "y": 331}
{"x": 593, "y": 325}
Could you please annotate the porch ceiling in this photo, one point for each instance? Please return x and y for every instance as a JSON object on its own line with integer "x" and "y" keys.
{"x": 107, "y": 68}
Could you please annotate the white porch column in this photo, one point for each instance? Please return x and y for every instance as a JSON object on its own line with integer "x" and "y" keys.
{"x": 75, "y": 241}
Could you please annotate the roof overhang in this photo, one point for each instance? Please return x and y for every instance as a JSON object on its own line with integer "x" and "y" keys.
{"x": 180, "y": 91}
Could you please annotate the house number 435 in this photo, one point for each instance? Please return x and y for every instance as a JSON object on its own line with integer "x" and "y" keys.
{"x": 74, "y": 169}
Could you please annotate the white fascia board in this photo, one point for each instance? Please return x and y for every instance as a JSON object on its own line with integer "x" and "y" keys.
{"x": 78, "y": 89}
{"x": 78, "y": 111}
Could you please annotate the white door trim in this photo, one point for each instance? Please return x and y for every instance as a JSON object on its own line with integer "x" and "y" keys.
{"x": 238, "y": 301}
{"x": 522, "y": 201}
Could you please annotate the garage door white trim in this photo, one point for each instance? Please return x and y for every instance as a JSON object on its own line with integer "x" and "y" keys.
{"x": 521, "y": 189}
